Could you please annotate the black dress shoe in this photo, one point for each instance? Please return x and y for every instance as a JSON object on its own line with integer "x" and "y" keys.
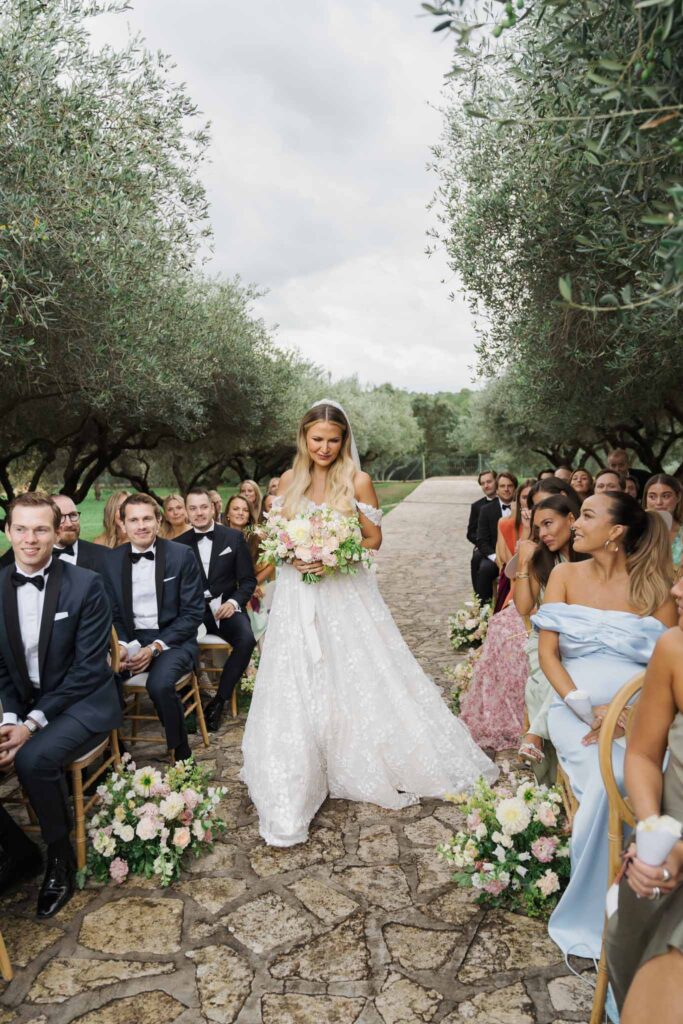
{"x": 58, "y": 886}
{"x": 213, "y": 713}
{"x": 16, "y": 869}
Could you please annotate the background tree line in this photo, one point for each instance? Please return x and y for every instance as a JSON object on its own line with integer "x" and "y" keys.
{"x": 121, "y": 358}
{"x": 560, "y": 205}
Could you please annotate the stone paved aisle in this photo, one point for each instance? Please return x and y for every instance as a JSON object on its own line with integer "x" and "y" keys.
{"x": 360, "y": 925}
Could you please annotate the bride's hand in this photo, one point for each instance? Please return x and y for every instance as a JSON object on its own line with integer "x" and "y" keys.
{"x": 315, "y": 568}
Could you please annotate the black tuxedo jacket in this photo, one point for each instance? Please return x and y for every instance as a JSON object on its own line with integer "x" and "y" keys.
{"x": 180, "y": 595}
{"x": 231, "y": 570}
{"x": 88, "y": 556}
{"x": 475, "y": 509}
{"x": 487, "y": 527}
{"x": 75, "y": 630}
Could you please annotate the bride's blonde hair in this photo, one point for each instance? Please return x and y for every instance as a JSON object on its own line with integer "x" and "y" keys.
{"x": 339, "y": 488}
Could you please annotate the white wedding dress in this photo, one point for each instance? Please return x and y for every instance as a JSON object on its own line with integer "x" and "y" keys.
{"x": 341, "y": 707}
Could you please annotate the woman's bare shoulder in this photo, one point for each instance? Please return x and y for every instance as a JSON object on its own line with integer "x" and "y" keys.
{"x": 363, "y": 487}
{"x": 285, "y": 481}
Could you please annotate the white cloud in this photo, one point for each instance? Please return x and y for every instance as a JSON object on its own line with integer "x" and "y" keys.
{"x": 321, "y": 129}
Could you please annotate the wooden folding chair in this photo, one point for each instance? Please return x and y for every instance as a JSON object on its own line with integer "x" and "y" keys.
{"x": 134, "y": 689}
{"x": 620, "y": 815}
{"x": 209, "y": 643}
{"x": 5, "y": 965}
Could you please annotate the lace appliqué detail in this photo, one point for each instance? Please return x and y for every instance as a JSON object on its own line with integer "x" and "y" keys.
{"x": 370, "y": 512}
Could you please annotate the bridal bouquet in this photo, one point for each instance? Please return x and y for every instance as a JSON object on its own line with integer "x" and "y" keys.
{"x": 512, "y": 851}
{"x": 319, "y": 535}
{"x": 469, "y": 625}
{"x": 146, "y": 822}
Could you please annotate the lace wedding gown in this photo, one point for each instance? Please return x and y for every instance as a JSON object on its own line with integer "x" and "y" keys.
{"x": 341, "y": 707}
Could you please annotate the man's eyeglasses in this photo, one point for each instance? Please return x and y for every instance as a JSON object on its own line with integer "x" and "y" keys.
{"x": 73, "y": 517}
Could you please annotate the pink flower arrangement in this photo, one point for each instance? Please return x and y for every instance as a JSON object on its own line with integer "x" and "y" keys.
{"x": 544, "y": 848}
{"x": 320, "y": 535}
{"x": 549, "y": 883}
{"x": 181, "y": 838}
{"x": 118, "y": 870}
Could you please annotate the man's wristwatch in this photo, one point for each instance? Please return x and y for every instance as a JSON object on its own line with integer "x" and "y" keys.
{"x": 156, "y": 651}
{"x": 32, "y": 725}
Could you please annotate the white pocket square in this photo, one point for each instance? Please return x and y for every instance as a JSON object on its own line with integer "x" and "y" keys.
{"x": 225, "y": 551}
{"x": 168, "y": 579}
{"x": 61, "y": 615}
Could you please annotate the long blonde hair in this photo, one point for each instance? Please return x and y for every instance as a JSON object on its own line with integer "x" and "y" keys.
{"x": 339, "y": 486}
{"x": 257, "y": 505}
{"x": 167, "y": 530}
{"x": 648, "y": 552}
{"x": 110, "y": 536}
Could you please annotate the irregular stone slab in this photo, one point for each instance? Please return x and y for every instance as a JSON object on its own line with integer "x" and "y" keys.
{"x": 323, "y": 847}
{"x": 402, "y": 1001}
{"x": 73, "y": 908}
{"x": 377, "y": 845}
{"x": 427, "y": 832}
{"x": 267, "y": 922}
{"x": 6, "y": 1016}
{"x": 508, "y": 942}
{"x": 229, "y": 811}
{"x": 25, "y": 940}
{"x": 509, "y": 1005}
{"x": 384, "y": 885}
{"x": 368, "y": 812}
{"x": 419, "y": 949}
{"x": 432, "y": 872}
{"x": 218, "y": 862}
{"x": 294, "y": 1008}
{"x": 65, "y": 977}
{"x": 322, "y": 900}
{"x": 335, "y": 813}
{"x": 213, "y": 893}
{"x": 573, "y": 994}
{"x": 339, "y": 955}
{"x": 223, "y": 981}
{"x": 451, "y": 816}
{"x": 146, "y": 1008}
{"x": 134, "y": 924}
{"x": 455, "y": 906}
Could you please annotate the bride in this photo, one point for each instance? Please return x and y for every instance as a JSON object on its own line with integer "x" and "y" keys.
{"x": 340, "y": 705}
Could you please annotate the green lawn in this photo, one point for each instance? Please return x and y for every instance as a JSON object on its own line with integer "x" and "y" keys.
{"x": 390, "y": 493}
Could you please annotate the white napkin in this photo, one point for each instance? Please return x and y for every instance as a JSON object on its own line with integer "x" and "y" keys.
{"x": 214, "y": 605}
{"x": 134, "y": 647}
{"x": 655, "y": 838}
{"x": 580, "y": 703}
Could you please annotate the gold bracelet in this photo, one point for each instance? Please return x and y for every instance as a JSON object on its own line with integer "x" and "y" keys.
{"x": 521, "y": 575}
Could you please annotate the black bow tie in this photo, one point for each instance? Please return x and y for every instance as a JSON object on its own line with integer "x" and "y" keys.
{"x": 135, "y": 556}
{"x": 18, "y": 580}
{"x": 505, "y": 506}
{"x": 68, "y": 549}
{"x": 201, "y": 536}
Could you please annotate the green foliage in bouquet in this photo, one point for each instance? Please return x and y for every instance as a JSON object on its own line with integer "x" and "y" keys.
{"x": 513, "y": 851}
{"x": 147, "y": 822}
{"x": 469, "y": 625}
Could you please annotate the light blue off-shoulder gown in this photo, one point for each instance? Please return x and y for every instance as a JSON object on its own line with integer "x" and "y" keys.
{"x": 601, "y": 650}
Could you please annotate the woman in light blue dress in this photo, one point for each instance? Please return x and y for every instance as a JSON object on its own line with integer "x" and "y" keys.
{"x": 598, "y": 627}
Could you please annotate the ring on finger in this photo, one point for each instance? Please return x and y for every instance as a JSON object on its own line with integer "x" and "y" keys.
{"x": 666, "y": 875}
{"x": 656, "y": 893}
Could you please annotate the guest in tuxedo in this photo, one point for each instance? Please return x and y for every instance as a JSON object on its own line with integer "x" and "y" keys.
{"x": 487, "y": 534}
{"x": 158, "y": 601}
{"x": 228, "y": 581}
{"x": 174, "y": 521}
{"x": 113, "y": 533}
{"x": 57, "y": 689}
{"x": 217, "y": 503}
{"x": 69, "y": 547}
{"x": 250, "y": 490}
{"x": 487, "y": 482}
{"x": 618, "y": 460}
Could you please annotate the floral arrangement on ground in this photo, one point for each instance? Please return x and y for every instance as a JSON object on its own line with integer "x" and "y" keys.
{"x": 146, "y": 822}
{"x": 514, "y": 851}
{"x": 469, "y": 625}
{"x": 249, "y": 677}
{"x": 461, "y": 678}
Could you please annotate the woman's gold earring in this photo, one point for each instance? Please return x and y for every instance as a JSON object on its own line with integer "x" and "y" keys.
{"x": 613, "y": 550}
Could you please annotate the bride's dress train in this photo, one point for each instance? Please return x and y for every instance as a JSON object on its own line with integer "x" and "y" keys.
{"x": 341, "y": 707}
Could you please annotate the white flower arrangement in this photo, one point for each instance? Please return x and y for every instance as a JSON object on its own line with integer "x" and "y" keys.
{"x": 469, "y": 625}
{"x": 318, "y": 535}
{"x": 461, "y": 677}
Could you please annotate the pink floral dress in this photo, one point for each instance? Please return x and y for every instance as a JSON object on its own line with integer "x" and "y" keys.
{"x": 493, "y": 708}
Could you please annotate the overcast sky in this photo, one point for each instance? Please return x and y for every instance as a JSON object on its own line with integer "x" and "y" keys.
{"x": 321, "y": 128}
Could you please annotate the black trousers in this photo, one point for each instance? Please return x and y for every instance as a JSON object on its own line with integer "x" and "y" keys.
{"x": 238, "y": 633}
{"x": 39, "y": 765}
{"x": 164, "y": 673}
{"x": 13, "y": 839}
{"x": 487, "y": 573}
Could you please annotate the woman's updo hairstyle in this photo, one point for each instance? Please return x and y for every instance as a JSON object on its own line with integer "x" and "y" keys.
{"x": 647, "y": 548}
{"x": 551, "y": 485}
{"x": 339, "y": 491}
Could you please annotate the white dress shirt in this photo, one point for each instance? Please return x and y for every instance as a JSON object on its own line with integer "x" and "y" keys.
{"x": 71, "y": 559}
{"x": 204, "y": 547}
{"x": 30, "y": 603}
{"x": 144, "y": 587}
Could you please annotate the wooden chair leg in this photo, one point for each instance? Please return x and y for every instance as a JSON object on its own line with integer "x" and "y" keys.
{"x": 233, "y": 701}
{"x": 134, "y": 721}
{"x": 199, "y": 710}
{"x": 79, "y": 814}
{"x": 600, "y": 996}
{"x": 5, "y": 965}
{"x": 115, "y": 748}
